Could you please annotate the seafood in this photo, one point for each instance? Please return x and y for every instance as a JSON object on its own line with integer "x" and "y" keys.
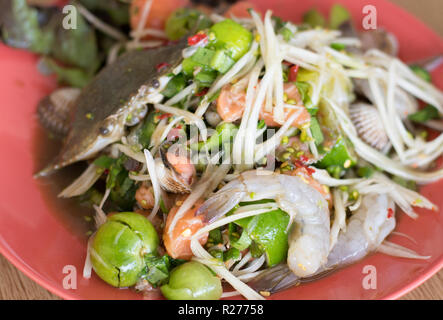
{"x": 232, "y": 101}
{"x": 370, "y": 39}
{"x": 404, "y": 103}
{"x": 308, "y": 209}
{"x": 54, "y": 110}
{"x": 365, "y": 231}
{"x": 178, "y": 241}
{"x": 369, "y": 125}
{"x": 100, "y": 117}
{"x": 174, "y": 170}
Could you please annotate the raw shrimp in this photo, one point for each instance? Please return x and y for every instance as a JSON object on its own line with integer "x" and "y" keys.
{"x": 307, "y": 208}
{"x": 232, "y": 101}
{"x": 178, "y": 242}
{"x": 366, "y": 230}
{"x": 304, "y": 174}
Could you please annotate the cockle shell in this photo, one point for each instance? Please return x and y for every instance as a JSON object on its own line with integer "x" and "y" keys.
{"x": 169, "y": 177}
{"x": 369, "y": 125}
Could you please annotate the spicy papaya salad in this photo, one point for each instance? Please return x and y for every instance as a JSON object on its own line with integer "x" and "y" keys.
{"x": 247, "y": 154}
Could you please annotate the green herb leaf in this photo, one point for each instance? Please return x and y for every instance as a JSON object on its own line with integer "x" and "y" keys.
{"x": 21, "y": 28}
{"x": 156, "y": 270}
{"x": 75, "y": 47}
{"x": 427, "y": 113}
{"x": 422, "y": 73}
{"x": 72, "y": 76}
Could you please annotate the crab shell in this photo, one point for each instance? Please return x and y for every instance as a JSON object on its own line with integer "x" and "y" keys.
{"x": 113, "y": 98}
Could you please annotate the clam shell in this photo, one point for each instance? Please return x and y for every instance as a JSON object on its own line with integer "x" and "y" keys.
{"x": 54, "y": 110}
{"x": 169, "y": 179}
{"x": 404, "y": 102}
{"x": 369, "y": 125}
{"x": 379, "y": 39}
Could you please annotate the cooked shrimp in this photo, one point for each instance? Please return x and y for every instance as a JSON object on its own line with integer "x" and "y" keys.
{"x": 366, "y": 230}
{"x": 178, "y": 242}
{"x": 232, "y": 99}
{"x": 309, "y": 238}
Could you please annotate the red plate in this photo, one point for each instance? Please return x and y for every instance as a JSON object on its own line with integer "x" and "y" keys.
{"x": 35, "y": 240}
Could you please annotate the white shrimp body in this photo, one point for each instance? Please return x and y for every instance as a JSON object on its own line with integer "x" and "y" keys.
{"x": 307, "y": 208}
{"x": 366, "y": 230}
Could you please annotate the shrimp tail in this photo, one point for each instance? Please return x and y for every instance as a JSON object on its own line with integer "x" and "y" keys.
{"x": 275, "y": 279}
{"x": 221, "y": 202}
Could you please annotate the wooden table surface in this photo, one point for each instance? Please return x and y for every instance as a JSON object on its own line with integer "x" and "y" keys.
{"x": 15, "y": 285}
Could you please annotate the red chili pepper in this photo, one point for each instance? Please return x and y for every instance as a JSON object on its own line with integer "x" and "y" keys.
{"x": 202, "y": 92}
{"x": 162, "y": 65}
{"x": 390, "y": 213}
{"x": 304, "y": 158}
{"x": 300, "y": 164}
{"x": 293, "y": 71}
{"x": 192, "y": 41}
{"x": 164, "y": 116}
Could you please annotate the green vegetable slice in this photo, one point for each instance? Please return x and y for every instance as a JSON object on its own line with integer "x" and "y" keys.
{"x": 341, "y": 155}
{"x": 427, "y": 113}
{"x": 231, "y": 37}
{"x": 268, "y": 232}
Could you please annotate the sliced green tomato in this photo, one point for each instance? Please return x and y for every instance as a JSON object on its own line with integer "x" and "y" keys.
{"x": 203, "y": 56}
{"x": 341, "y": 155}
{"x": 190, "y": 66}
{"x": 231, "y": 37}
{"x": 205, "y": 78}
{"x": 268, "y": 232}
{"x": 221, "y": 61}
{"x": 241, "y": 242}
